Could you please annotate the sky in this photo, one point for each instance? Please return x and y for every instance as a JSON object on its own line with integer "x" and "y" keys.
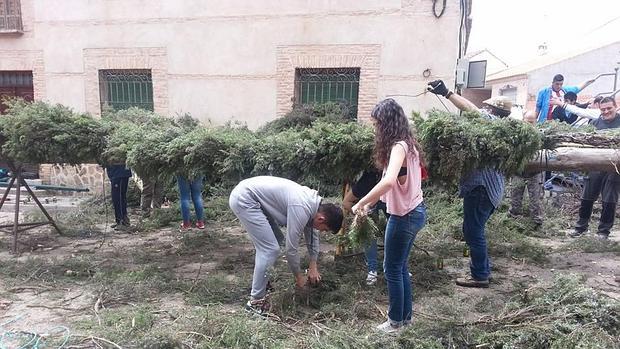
{"x": 513, "y": 29}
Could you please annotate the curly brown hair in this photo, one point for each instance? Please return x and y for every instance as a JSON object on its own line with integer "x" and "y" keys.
{"x": 392, "y": 126}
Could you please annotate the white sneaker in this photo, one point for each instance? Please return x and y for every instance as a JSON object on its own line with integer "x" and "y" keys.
{"x": 371, "y": 278}
{"x": 387, "y": 327}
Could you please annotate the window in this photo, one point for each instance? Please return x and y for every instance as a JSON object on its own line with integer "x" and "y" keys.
{"x": 10, "y": 16}
{"x": 15, "y": 84}
{"x": 322, "y": 85}
{"x": 126, "y": 88}
{"x": 510, "y": 92}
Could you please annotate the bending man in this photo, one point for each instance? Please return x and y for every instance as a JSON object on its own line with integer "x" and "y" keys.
{"x": 264, "y": 203}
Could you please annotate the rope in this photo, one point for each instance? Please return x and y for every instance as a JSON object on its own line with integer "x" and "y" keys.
{"x": 34, "y": 340}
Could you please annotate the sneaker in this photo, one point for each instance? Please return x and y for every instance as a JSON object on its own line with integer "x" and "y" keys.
{"x": 185, "y": 226}
{"x": 602, "y": 236}
{"x": 576, "y": 233}
{"x": 258, "y": 306}
{"x": 200, "y": 224}
{"x": 388, "y": 328}
{"x": 371, "y": 278}
{"x": 471, "y": 282}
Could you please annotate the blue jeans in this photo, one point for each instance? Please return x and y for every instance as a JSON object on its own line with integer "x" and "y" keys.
{"x": 193, "y": 189}
{"x": 399, "y": 236}
{"x": 371, "y": 250}
{"x": 477, "y": 209}
{"x": 371, "y": 256}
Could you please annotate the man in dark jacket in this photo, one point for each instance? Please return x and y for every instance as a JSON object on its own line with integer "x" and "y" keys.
{"x": 119, "y": 178}
{"x": 605, "y": 183}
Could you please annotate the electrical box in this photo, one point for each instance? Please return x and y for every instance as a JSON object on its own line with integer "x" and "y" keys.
{"x": 462, "y": 65}
{"x": 471, "y": 74}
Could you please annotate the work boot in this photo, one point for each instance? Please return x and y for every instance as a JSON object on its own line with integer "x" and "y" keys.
{"x": 585, "y": 211}
{"x": 607, "y": 218}
{"x": 471, "y": 282}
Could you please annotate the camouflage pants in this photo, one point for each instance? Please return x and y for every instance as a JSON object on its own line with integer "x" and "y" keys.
{"x": 533, "y": 182}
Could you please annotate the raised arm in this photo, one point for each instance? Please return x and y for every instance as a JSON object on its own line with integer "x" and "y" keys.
{"x": 588, "y": 83}
{"x": 582, "y": 112}
{"x": 439, "y": 88}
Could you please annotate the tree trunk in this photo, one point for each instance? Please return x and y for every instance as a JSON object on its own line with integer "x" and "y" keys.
{"x": 576, "y": 159}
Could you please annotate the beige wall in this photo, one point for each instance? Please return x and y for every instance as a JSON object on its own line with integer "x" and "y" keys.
{"x": 224, "y": 60}
{"x": 520, "y": 82}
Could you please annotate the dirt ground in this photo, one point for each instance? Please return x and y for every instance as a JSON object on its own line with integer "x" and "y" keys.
{"x": 122, "y": 289}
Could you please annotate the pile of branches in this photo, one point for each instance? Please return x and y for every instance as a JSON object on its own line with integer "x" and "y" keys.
{"x": 567, "y": 315}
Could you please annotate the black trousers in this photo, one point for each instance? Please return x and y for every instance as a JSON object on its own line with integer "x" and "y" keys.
{"x": 119, "y": 198}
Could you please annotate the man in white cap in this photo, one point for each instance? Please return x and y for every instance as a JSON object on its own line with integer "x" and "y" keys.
{"x": 481, "y": 190}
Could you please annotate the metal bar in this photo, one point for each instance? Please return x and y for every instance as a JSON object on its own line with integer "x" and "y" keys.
{"x": 16, "y": 222}
{"x": 50, "y": 187}
{"x": 6, "y": 192}
{"x": 22, "y": 224}
{"x": 49, "y": 218}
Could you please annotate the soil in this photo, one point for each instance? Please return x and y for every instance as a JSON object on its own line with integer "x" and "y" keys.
{"x": 37, "y": 307}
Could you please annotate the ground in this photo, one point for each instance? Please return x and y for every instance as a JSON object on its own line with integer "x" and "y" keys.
{"x": 156, "y": 287}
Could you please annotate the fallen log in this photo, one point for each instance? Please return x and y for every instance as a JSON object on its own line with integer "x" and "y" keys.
{"x": 576, "y": 159}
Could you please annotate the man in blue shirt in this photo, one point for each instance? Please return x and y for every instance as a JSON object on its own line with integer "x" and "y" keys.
{"x": 557, "y": 90}
{"x": 482, "y": 190}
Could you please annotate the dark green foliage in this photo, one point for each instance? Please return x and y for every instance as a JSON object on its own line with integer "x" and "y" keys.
{"x": 303, "y": 116}
{"x": 455, "y": 145}
{"x": 43, "y": 133}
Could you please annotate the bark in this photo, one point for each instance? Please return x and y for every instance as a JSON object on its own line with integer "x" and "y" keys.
{"x": 576, "y": 159}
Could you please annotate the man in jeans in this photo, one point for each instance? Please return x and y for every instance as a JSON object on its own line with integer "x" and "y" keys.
{"x": 262, "y": 204}
{"x": 607, "y": 184}
{"x": 481, "y": 190}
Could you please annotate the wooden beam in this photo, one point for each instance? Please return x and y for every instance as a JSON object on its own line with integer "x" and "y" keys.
{"x": 576, "y": 159}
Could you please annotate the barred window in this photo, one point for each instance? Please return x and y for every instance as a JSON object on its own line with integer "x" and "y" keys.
{"x": 10, "y": 16}
{"x": 322, "y": 85}
{"x": 15, "y": 84}
{"x": 126, "y": 88}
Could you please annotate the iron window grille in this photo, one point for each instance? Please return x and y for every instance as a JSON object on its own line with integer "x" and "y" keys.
{"x": 125, "y": 88}
{"x": 323, "y": 85}
{"x": 10, "y": 16}
{"x": 16, "y": 79}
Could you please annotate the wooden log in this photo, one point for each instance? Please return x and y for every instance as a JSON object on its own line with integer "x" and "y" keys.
{"x": 576, "y": 159}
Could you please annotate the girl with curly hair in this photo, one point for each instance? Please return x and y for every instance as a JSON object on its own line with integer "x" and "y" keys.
{"x": 399, "y": 155}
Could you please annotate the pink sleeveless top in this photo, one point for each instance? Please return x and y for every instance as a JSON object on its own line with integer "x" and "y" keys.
{"x": 403, "y": 198}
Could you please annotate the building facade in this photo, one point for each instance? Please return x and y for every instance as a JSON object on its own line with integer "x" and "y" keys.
{"x": 241, "y": 61}
{"x": 521, "y": 83}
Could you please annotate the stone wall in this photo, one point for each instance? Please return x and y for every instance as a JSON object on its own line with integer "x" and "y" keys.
{"x": 89, "y": 176}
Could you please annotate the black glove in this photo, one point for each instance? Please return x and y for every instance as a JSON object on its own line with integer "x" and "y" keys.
{"x": 438, "y": 87}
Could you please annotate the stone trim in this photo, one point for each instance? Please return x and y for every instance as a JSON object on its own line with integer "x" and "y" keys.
{"x": 365, "y": 57}
{"x": 153, "y": 58}
{"x": 31, "y": 60}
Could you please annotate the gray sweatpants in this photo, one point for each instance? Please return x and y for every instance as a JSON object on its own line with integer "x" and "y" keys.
{"x": 265, "y": 234}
